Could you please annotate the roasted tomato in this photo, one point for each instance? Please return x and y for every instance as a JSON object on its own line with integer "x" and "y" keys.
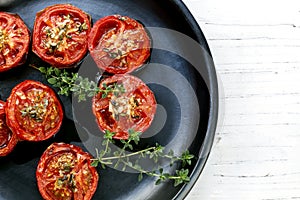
{"x": 125, "y": 103}
{"x": 8, "y": 139}
{"x": 119, "y": 44}
{"x": 65, "y": 172}
{"x": 33, "y": 111}
{"x": 14, "y": 41}
{"x": 60, "y": 35}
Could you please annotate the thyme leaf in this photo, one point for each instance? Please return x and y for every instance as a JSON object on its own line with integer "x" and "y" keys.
{"x": 71, "y": 83}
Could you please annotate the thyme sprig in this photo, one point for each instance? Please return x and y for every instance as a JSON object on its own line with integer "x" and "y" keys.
{"x": 132, "y": 160}
{"x": 71, "y": 83}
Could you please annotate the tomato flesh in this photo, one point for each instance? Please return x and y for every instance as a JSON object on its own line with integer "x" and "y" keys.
{"x": 119, "y": 44}
{"x": 60, "y": 35}
{"x": 33, "y": 111}
{"x": 133, "y": 108}
{"x": 8, "y": 139}
{"x": 65, "y": 172}
{"x": 14, "y": 41}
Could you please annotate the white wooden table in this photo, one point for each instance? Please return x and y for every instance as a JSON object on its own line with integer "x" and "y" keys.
{"x": 256, "y": 49}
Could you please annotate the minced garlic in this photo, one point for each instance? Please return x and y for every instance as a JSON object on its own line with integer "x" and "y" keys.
{"x": 58, "y": 35}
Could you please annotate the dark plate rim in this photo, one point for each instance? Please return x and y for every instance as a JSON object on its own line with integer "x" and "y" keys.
{"x": 212, "y": 85}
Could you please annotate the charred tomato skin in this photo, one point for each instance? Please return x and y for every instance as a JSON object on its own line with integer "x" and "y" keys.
{"x": 14, "y": 41}
{"x": 64, "y": 171}
{"x": 60, "y": 35}
{"x": 33, "y": 111}
{"x": 8, "y": 139}
{"x": 119, "y": 44}
{"x": 133, "y": 109}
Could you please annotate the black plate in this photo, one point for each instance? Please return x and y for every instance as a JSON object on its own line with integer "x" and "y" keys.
{"x": 180, "y": 72}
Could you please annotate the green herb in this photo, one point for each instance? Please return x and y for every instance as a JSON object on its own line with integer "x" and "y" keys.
{"x": 71, "y": 83}
{"x": 69, "y": 36}
{"x": 122, "y": 18}
{"x": 120, "y": 158}
{"x": 37, "y": 111}
{"x": 66, "y": 180}
{"x": 113, "y": 55}
{"x": 3, "y": 39}
{"x": 48, "y": 32}
{"x": 68, "y": 16}
{"x": 83, "y": 27}
{"x": 115, "y": 89}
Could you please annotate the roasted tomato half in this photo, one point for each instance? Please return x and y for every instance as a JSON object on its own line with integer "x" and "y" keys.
{"x": 60, "y": 35}
{"x": 119, "y": 44}
{"x": 125, "y": 103}
{"x": 33, "y": 111}
{"x": 8, "y": 139}
{"x": 64, "y": 172}
{"x": 14, "y": 41}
